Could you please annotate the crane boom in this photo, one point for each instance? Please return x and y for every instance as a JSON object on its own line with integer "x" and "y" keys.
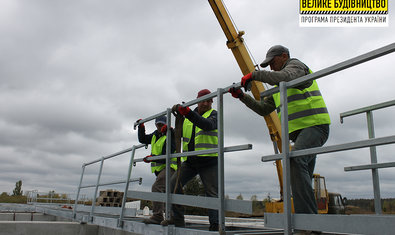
{"x": 236, "y": 44}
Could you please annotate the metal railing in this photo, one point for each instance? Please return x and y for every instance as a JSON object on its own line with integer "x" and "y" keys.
{"x": 373, "y": 154}
{"x": 99, "y": 183}
{"x": 334, "y": 223}
{"x": 36, "y": 197}
{"x": 220, "y": 203}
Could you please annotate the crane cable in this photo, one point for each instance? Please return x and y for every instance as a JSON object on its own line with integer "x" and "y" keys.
{"x": 245, "y": 43}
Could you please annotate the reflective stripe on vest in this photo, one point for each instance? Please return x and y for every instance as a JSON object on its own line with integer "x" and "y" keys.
{"x": 305, "y": 107}
{"x": 203, "y": 139}
{"x": 156, "y": 150}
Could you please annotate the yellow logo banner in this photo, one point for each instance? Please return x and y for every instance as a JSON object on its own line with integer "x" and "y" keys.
{"x": 344, "y": 6}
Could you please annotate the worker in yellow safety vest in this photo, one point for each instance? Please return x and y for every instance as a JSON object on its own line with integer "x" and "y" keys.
{"x": 157, "y": 139}
{"x": 199, "y": 133}
{"x": 308, "y": 118}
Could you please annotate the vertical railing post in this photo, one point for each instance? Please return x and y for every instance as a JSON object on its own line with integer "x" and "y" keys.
{"x": 120, "y": 220}
{"x": 221, "y": 187}
{"x": 168, "y": 161}
{"x": 78, "y": 192}
{"x": 286, "y": 160}
{"x": 96, "y": 188}
{"x": 373, "y": 159}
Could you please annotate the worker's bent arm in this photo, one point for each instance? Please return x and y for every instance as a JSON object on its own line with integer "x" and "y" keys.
{"x": 143, "y": 138}
{"x": 207, "y": 124}
{"x": 292, "y": 69}
{"x": 263, "y": 108}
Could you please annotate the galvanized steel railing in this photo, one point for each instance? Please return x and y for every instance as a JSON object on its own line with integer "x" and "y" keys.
{"x": 220, "y": 203}
{"x": 98, "y": 183}
{"x": 373, "y": 154}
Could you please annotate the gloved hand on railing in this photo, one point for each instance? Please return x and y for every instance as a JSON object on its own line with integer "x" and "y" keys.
{"x": 181, "y": 110}
{"x": 236, "y": 92}
{"x": 146, "y": 160}
{"x": 245, "y": 80}
{"x": 141, "y": 125}
{"x": 163, "y": 129}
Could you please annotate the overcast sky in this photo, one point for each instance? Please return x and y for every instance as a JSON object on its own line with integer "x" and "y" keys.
{"x": 76, "y": 75}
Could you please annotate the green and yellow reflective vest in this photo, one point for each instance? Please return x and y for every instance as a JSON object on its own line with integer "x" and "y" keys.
{"x": 203, "y": 139}
{"x": 156, "y": 150}
{"x": 306, "y": 107}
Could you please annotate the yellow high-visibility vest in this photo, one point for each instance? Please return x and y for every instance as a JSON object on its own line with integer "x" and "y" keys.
{"x": 203, "y": 139}
{"x": 156, "y": 149}
{"x": 306, "y": 107}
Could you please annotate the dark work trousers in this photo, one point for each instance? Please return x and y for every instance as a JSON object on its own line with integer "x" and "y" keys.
{"x": 208, "y": 172}
{"x": 302, "y": 168}
{"x": 159, "y": 186}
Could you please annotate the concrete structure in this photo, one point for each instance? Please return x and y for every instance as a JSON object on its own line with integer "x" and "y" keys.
{"x": 43, "y": 219}
{"x": 20, "y": 219}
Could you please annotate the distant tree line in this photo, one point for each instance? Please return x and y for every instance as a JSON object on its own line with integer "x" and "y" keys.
{"x": 18, "y": 197}
{"x": 362, "y": 206}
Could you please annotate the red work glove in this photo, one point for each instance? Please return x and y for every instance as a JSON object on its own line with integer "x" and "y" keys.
{"x": 246, "y": 80}
{"x": 146, "y": 159}
{"x": 140, "y": 125}
{"x": 163, "y": 129}
{"x": 236, "y": 92}
{"x": 183, "y": 110}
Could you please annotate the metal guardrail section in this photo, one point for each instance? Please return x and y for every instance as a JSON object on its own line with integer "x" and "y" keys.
{"x": 121, "y": 210}
{"x": 373, "y": 154}
{"x": 35, "y": 197}
{"x": 120, "y": 219}
{"x": 369, "y": 224}
{"x": 220, "y": 203}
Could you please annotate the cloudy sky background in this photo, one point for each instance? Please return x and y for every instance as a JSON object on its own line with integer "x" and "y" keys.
{"x": 75, "y": 75}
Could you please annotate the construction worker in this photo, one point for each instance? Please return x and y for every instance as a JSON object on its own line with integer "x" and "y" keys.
{"x": 308, "y": 118}
{"x": 199, "y": 133}
{"x": 157, "y": 139}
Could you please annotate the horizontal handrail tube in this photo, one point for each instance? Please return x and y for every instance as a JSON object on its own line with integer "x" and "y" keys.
{"x": 111, "y": 183}
{"x": 53, "y": 199}
{"x": 335, "y": 68}
{"x": 107, "y": 210}
{"x": 211, "y": 95}
{"x": 366, "y": 109}
{"x": 190, "y": 103}
{"x": 369, "y": 166}
{"x": 149, "y": 118}
{"x": 200, "y": 152}
{"x": 115, "y": 154}
{"x": 334, "y": 148}
{"x": 197, "y": 201}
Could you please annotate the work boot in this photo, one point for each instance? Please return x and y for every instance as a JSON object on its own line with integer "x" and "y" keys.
{"x": 177, "y": 222}
{"x": 152, "y": 220}
{"x": 213, "y": 227}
